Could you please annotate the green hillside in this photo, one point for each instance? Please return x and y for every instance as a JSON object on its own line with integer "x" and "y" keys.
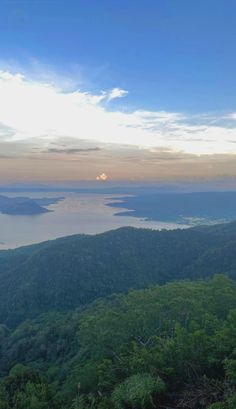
{"x": 63, "y": 274}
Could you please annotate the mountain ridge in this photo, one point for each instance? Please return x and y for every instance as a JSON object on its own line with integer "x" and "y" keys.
{"x": 65, "y": 273}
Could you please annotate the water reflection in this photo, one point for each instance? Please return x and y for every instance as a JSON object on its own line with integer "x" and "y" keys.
{"x": 77, "y": 213}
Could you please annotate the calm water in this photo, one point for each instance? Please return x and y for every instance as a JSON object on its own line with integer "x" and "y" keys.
{"x": 77, "y": 213}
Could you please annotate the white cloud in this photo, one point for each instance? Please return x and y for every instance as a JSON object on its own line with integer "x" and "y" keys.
{"x": 232, "y": 115}
{"x": 116, "y": 93}
{"x": 37, "y": 111}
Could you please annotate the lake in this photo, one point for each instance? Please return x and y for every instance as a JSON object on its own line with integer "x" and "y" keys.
{"x": 76, "y": 213}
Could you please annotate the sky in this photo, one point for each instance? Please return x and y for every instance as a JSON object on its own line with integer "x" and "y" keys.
{"x": 117, "y": 90}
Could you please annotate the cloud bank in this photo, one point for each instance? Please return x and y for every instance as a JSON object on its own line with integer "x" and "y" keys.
{"x": 41, "y": 121}
{"x": 31, "y": 109}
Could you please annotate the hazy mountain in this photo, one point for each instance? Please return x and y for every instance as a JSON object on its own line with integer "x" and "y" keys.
{"x": 188, "y": 208}
{"x": 25, "y": 205}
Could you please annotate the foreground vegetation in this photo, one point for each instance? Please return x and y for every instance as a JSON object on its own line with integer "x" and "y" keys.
{"x": 170, "y": 346}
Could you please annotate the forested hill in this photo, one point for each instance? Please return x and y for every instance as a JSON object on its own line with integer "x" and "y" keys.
{"x": 66, "y": 273}
{"x": 168, "y": 347}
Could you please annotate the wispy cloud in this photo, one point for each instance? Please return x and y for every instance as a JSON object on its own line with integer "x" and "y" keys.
{"x": 116, "y": 93}
{"x": 72, "y": 151}
{"x": 6, "y": 132}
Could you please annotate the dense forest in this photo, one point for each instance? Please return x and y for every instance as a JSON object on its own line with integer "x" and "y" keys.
{"x": 128, "y": 319}
{"x": 170, "y": 346}
{"x": 63, "y": 274}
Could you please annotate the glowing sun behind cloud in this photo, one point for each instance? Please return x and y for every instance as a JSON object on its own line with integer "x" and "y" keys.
{"x": 103, "y": 177}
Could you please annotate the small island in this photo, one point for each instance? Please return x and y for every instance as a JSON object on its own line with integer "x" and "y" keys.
{"x": 26, "y": 206}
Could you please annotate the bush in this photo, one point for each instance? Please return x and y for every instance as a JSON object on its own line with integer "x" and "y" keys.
{"x": 139, "y": 391}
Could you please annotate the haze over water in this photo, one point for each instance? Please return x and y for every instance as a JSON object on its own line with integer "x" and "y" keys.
{"x": 76, "y": 214}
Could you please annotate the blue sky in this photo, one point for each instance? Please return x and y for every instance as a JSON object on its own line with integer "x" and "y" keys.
{"x": 125, "y": 90}
{"x": 175, "y": 55}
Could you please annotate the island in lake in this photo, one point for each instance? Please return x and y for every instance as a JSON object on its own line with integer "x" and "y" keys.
{"x": 25, "y": 205}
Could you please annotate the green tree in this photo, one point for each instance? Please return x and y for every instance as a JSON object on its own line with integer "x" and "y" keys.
{"x": 24, "y": 388}
{"x": 139, "y": 391}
